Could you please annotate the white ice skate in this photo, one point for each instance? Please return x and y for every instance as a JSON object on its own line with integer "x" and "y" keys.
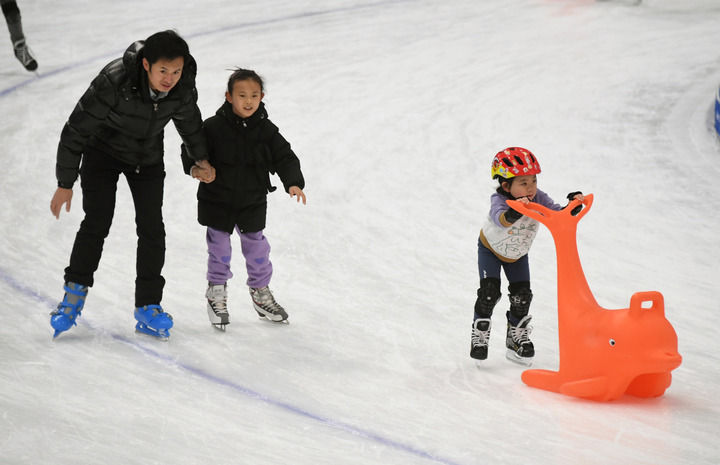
{"x": 266, "y": 306}
{"x": 217, "y": 306}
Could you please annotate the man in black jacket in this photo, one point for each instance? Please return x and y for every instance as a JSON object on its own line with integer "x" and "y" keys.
{"x": 117, "y": 128}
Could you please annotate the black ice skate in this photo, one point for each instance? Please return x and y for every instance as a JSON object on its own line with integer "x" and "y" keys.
{"x": 266, "y": 306}
{"x": 217, "y": 306}
{"x": 480, "y": 338}
{"x": 519, "y": 347}
{"x": 24, "y": 55}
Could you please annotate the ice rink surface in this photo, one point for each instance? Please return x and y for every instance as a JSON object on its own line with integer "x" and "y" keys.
{"x": 395, "y": 109}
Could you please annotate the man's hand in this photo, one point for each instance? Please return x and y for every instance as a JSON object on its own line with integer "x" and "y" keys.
{"x": 296, "y": 191}
{"x": 62, "y": 196}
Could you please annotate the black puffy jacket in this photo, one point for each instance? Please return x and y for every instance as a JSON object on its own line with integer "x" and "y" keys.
{"x": 117, "y": 116}
{"x": 243, "y": 152}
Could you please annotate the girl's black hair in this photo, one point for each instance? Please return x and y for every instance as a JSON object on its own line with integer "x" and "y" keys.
{"x": 165, "y": 44}
{"x": 500, "y": 189}
{"x": 240, "y": 74}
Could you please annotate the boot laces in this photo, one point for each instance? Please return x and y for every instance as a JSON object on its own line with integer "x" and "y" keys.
{"x": 521, "y": 332}
{"x": 264, "y": 297}
{"x": 217, "y": 297}
{"x": 480, "y": 337}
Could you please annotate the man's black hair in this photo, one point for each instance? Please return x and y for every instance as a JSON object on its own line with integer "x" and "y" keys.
{"x": 165, "y": 44}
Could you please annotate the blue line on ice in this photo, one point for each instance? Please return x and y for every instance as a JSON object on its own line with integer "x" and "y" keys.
{"x": 29, "y": 292}
{"x": 247, "y": 392}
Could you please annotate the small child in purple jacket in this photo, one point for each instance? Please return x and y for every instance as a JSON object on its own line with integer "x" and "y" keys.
{"x": 504, "y": 242}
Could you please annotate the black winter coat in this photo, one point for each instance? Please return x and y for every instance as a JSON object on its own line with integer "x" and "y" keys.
{"x": 243, "y": 152}
{"x": 117, "y": 116}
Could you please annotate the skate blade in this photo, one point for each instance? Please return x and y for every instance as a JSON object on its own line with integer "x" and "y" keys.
{"x": 162, "y": 334}
{"x": 515, "y": 358}
{"x": 270, "y": 316}
{"x": 271, "y": 320}
{"x": 220, "y": 326}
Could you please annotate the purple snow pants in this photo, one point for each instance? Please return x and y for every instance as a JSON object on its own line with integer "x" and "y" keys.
{"x": 255, "y": 249}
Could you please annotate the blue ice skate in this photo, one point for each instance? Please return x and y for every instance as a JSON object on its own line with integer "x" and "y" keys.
{"x": 65, "y": 316}
{"x": 154, "y": 321}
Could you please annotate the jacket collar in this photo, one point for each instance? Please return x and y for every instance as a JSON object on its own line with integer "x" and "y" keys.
{"x": 227, "y": 112}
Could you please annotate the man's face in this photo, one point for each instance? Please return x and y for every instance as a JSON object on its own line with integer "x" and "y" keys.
{"x": 164, "y": 73}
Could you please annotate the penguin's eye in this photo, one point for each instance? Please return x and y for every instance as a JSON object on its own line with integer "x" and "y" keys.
{"x": 611, "y": 342}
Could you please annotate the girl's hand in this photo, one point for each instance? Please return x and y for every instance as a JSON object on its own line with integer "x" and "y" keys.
{"x": 577, "y": 195}
{"x": 203, "y": 171}
{"x": 296, "y": 191}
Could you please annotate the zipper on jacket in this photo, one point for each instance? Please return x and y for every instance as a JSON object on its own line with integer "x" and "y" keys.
{"x": 153, "y": 117}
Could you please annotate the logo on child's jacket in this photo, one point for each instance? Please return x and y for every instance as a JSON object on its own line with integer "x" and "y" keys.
{"x": 518, "y": 239}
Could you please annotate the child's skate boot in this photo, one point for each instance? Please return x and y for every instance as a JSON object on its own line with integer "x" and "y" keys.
{"x": 480, "y": 338}
{"x": 65, "y": 316}
{"x": 265, "y": 305}
{"x": 24, "y": 55}
{"x": 217, "y": 305}
{"x": 487, "y": 297}
{"x": 152, "y": 320}
{"x": 519, "y": 347}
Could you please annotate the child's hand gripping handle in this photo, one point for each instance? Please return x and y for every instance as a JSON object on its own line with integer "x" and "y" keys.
{"x": 545, "y": 215}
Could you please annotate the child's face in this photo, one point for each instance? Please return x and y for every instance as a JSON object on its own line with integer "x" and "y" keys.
{"x": 245, "y": 98}
{"x": 522, "y": 186}
{"x": 164, "y": 73}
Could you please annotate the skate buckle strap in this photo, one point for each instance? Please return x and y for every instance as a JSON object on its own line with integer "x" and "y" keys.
{"x": 65, "y": 315}
{"x": 75, "y": 308}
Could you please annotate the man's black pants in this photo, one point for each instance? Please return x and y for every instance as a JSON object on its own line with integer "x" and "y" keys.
{"x": 99, "y": 176}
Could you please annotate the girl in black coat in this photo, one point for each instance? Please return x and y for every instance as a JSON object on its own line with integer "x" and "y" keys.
{"x": 244, "y": 147}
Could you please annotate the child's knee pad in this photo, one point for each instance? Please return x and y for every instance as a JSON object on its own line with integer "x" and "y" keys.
{"x": 487, "y": 297}
{"x": 520, "y": 298}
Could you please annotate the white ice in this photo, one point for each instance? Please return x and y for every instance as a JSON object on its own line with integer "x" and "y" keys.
{"x": 395, "y": 109}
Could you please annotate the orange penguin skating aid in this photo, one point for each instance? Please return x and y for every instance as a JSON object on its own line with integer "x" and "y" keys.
{"x": 603, "y": 353}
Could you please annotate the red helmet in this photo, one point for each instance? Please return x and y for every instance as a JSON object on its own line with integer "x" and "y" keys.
{"x": 514, "y": 161}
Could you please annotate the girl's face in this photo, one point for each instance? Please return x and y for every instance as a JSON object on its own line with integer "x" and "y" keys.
{"x": 522, "y": 186}
{"x": 245, "y": 98}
